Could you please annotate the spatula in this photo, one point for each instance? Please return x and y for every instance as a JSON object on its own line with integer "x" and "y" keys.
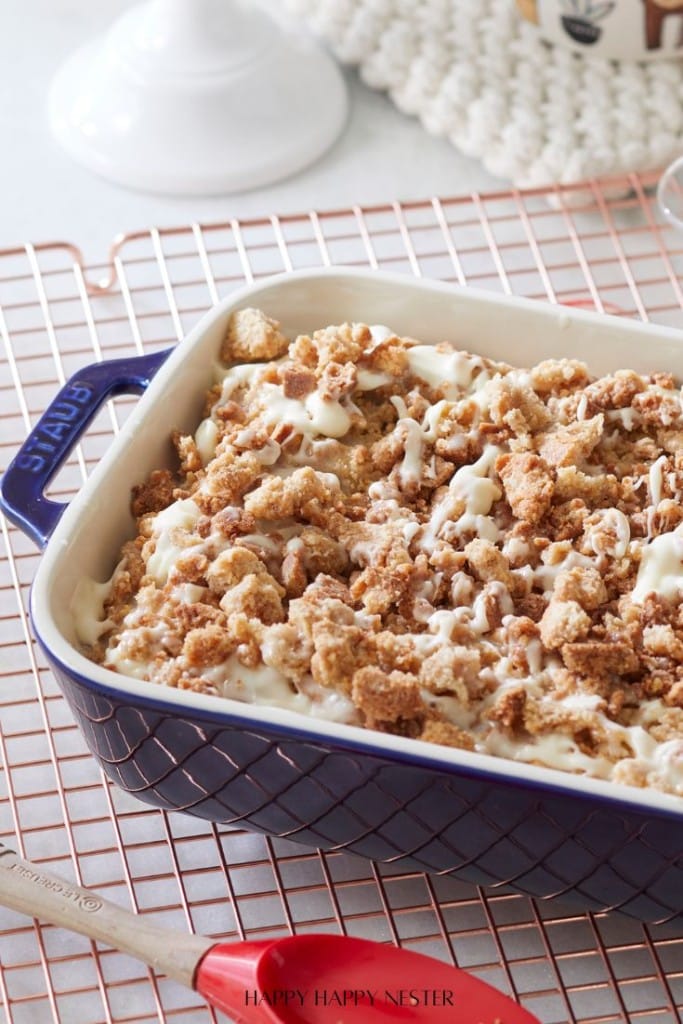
{"x": 297, "y": 979}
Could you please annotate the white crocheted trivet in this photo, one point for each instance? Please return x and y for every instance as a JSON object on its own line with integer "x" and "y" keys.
{"x": 478, "y": 74}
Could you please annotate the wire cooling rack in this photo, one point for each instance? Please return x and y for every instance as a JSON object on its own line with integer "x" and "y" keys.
{"x": 598, "y": 244}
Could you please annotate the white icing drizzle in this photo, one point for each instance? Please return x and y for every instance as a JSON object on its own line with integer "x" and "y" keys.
{"x": 582, "y": 407}
{"x": 661, "y": 567}
{"x": 87, "y": 609}
{"x": 614, "y": 522}
{"x": 206, "y": 439}
{"x": 628, "y": 418}
{"x": 622, "y": 529}
{"x": 267, "y": 686}
{"x": 471, "y": 484}
{"x": 534, "y": 656}
{"x": 410, "y": 470}
{"x": 556, "y": 750}
{"x": 655, "y": 479}
{"x": 313, "y": 415}
{"x": 546, "y": 574}
{"x": 368, "y": 380}
{"x": 450, "y": 370}
{"x": 667, "y": 763}
{"x": 180, "y": 516}
{"x": 380, "y": 333}
{"x": 128, "y": 666}
{"x": 515, "y": 549}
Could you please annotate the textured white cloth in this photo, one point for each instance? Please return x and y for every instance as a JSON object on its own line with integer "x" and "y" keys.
{"x": 480, "y": 75}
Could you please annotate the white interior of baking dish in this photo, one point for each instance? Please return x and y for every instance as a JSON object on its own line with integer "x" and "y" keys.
{"x": 521, "y": 332}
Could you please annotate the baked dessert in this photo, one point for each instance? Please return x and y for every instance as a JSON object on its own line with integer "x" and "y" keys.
{"x": 421, "y": 541}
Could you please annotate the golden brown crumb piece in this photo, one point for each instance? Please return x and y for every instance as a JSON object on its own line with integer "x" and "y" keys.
{"x": 197, "y": 615}
{"x": 599, "y": 490}
{"x": 670, "y": 439}
{"x": 388, "y": 356}
{"x": 661, "y": 640}
{"x": 126, "y": 580}
{"x": 343, "y": 344}
{"x": 488, "y": 563}
{"x": 615, "y": 391}
{"x": 657, "y": 409}
{"x": 337, "y": 380}
{"x": 562, "y": 623}
{"x": 232, "y": 521}
{"x": 188, "y": 453}
{"x": 531, "y": 605}
{"x": 674, "y": 698}
{"x": 558, "y": 376}
{"x": 517, "y": 407}
{"x": 229, "y": 475}
{"x": 395, "y": 651}
{"x": 446, "y": 735}
{"x": 583, "y": 585}
{"x": 190, "y": 567}
{"x": 252, "y": 336}
{"x": 449, "y": 670}
{"x": 297, "y": 382}
{"x": 595, "y": 658}
{"x": 386, "y": 698}
{"x": 257, "y": 596}
{"x": 294, "y": 576}
{"x": 522, "y": 636}
{"x": 528, "y": 484}
{"x": 322, "y": 554}
{"x": 508, "y": 709}
{"x": 230, "y": 567}
{"x": 570, "y": 445}
{"x": 208, "y": 645}
{"x": 668, "y": 515}
{"x": 339, "y": 649}
{"x": 154, "y": 495}
{"x": 278, "y": 498}
{"x": 284, "y": 649}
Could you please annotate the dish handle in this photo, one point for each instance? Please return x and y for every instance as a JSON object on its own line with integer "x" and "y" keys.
{"x": 57, "y": 432}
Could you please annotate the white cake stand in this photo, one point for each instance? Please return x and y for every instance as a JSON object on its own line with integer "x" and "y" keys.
{"x": 198, "y": 97}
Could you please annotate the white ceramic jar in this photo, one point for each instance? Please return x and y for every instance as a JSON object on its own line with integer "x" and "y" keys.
{"x": 612, "y": 29}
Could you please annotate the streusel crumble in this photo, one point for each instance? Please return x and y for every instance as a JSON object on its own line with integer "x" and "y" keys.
{"x": 424, "y": 542}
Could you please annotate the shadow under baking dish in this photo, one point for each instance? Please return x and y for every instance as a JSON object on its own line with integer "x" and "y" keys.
{"x": 488, "y": 820}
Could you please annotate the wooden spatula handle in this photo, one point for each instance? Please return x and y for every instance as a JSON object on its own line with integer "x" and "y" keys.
{"x": 32, "y": 890}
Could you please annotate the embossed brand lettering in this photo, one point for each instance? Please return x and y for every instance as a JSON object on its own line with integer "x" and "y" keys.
{"x": 30, "y": 463}
{"x": 64, "y": 411}
{"x": 85, "y": 900}
{"x": 55, "y": 427}
{"x": 79, "y": 391}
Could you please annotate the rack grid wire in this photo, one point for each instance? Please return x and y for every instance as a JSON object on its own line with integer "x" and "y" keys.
{"x": 598, "y": 244}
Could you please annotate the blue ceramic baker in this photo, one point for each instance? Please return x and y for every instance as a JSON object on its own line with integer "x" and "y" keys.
{"x": 400, "y": 801}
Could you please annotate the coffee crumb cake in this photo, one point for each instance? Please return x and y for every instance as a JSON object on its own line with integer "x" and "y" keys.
{"x": 422, "y": 541}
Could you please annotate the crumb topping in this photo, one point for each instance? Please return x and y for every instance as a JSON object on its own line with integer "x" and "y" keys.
{"x": 421, "y": 541}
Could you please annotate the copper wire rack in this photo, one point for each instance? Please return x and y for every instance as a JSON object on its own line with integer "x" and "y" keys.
{"x": 599, "y": 244}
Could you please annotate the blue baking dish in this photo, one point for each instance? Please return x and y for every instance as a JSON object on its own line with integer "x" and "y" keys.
{"x": 414, "y": 805}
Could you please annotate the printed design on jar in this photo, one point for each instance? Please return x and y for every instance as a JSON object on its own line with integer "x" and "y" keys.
{"x": 581, "y": 19}
{"x": 656, "y": 11}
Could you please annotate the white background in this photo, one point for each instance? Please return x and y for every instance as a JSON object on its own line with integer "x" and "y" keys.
{"x": 381, "y": 156}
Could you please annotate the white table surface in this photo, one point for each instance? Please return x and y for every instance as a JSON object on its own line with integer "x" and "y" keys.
{"x": 382, "y": 155}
